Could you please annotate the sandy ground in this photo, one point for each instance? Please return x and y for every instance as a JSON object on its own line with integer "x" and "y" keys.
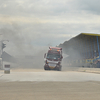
{"x": 49, "y": 90}
{"x": 27, "y": 70}
{"x": 89, "y": 90}
{"x": 88, "y": 70}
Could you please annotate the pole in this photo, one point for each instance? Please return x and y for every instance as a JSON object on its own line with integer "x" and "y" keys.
{"x": 94, "y": 48}
{"x": 2, "y": 52}
{"x": 98, "y": 46}
{"x": 91, "y": 48}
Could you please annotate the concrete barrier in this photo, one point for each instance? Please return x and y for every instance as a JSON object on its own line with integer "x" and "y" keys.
{"x": 7, "y": 69}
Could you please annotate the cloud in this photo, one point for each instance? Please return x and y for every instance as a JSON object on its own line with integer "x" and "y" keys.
{"x": 50, "y": 11}
{"x": 90, "y": 6}
{"x": 47, "y": 7}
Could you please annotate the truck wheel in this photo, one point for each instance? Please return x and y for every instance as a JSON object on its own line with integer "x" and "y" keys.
{"x": 45, "y": 68}
{"x": 59, "y": 69}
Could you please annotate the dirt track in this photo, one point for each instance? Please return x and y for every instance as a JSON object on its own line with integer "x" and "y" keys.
{"x": 37, "y": 90}
{"x": 49, "y": 91}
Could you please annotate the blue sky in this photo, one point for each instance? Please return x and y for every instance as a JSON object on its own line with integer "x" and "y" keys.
{"x": 32, "y": 25}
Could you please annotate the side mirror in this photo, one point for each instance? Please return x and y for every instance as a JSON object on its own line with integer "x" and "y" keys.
{"x": 61, "y": 57}
{"x": 45, "y": 55}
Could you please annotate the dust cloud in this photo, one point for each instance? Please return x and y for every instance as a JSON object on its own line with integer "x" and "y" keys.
{"x": 74, "y": 56}
{"x": 20, "y": 52}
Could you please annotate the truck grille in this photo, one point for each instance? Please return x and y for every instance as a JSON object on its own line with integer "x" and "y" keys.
{"x": 51, "y": 64}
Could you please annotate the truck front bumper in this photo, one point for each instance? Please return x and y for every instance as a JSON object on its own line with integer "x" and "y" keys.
{"x": 47, "y": 67}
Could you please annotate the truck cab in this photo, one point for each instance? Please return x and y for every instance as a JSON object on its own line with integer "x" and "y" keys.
{"x": 53, "y": 59}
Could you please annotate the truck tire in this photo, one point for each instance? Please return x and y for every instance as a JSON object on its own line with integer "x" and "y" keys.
{"x": 59, "y": 69}
{"x": 45, "y": 68}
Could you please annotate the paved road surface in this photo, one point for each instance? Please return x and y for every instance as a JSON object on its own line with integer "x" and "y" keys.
{"x": 49, "y": 85}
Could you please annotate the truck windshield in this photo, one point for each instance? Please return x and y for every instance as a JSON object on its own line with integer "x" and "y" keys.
{"x": 53, "y": 56}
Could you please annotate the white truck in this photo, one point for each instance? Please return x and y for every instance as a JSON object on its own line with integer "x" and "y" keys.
{"x": 53, "y": 59}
